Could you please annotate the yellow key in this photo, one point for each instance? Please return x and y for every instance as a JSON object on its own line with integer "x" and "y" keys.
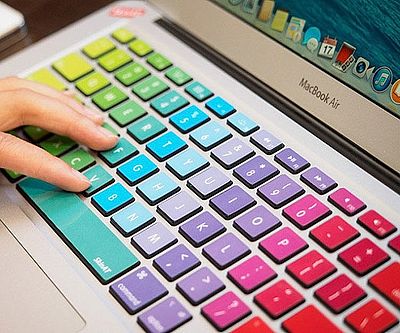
{"x": 72, "y": 66}
{"x": 46, "y": 77}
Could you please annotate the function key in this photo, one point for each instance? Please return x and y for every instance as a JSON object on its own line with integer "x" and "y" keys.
{"x": 254, "y": 325}
{"x": 265, "y": 141}
{"x": 157, "y": 188}
{"x": 146, "y": 129}
{"x": 187, "y": 163}
{"x": 98, "y": 47}
{"x": 169, "y": 103}
{"x": 137, "y": 169}
{"x": 198, "y": 91}
{"x": 395, "y": 244}
{"x": 92, "y": 83}
{"x": 387, "y": 283}
{"x": 140, "y": 48}
{"x": 210, "y": 135}
{"x": 242, "y": 124}
{"x": 291, "y": 160}
{"x": 149, "y": 88}
{"x": 189, "y": 119}
{"x": 178, "y": 76}
{"x": 232, "y": 153}
{"x": 165, "y": 146}
{"x": 120, "y": 153}
{"x": 112, "y": 199}
{"x": 347, "y": 202}
{"x": 158, "y": 61}
{"x": 127, "y": 113}
{"x": 319, "y": 181}
{"x": 123, "y": 35}
{"x": 376, "y": 224}
{"x": 131, "y": 74}
{"x": 99, "y": 179}
{"x": 220, "y": 107}
{"x": 79, "y": 159}
{"x": 340, "y": 293}
{"x": 72, "y": 67}
{"x": 109, "y": 97}
{"x": 114, "y": 60}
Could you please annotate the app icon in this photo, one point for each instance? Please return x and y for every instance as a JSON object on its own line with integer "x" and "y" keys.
{"x": 360, "y": 67}
{"x": 295, "y": 29}
{"x": 312, "y": 32}
{"x": 279, "y": 21}
{"x": 381, "y": 79}
{"x": 395, "y": 92}
{"x": 369, "y": 72}
{"x": 250, "y": 6}
{"x": 266, "y": 10}
{"x": 235, "y": 2}
{"x": 328, "y": 47}
{"x": 344, "y": 58}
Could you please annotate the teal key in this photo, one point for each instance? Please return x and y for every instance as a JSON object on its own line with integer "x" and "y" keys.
{"x": 157, "y": 188}
{"x": 112, "y": 199}
{"x": 210, "y": 135}
{"x": 137, "y": 169}
{"x": 220, "y": 107}
{"x": 146, "y": 129}
{"x": 187, "y": 163}
{"x": 243, "y": 124}
{"x": 149, "y": 88}
{"x": 189, "y": 119}
{"x": 99, "y": 179}
{"x": 198, "y": 91}
{"x": 166, "y": 146}
{"x": 132, "y": 219}
{"x": 169, "y": 103}
{"x": 93, "y": 242}
{"x": 120, "y": 153}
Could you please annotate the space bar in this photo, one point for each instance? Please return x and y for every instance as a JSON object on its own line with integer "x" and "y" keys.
{"x": 98, "y": 248}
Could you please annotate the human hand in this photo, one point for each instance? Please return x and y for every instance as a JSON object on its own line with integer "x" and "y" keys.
{"x": 24, "y": 102}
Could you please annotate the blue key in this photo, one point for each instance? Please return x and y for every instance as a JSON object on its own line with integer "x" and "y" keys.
{"x": 137, "y": 169}
{"x": 99, "y": 179}
{"x": 120, "y": 153}
{"x": 243, "y": 124}
{"x": 220, "y": 107}
{"x": 189, "y": 119}
{"x": 111, "y": 199}
{"x": 210, "y": 135}
{"x": 132, "y": 219}
{"x": 198, "y": 91}
{"x": 166, "y": 146}
{"x": 187, "y": 163}
{"x": 157, "y": 188}
{"x": 169, "y": 103}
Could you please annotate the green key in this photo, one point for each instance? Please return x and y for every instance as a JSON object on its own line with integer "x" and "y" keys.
{"x": 146, "y": 129}
{"x": 198, "y": 91}
{"x": 149, "y": 88}
{"x": 127, "y": 113}
{"x": 35, "y": 134}
{"x": 12, "y": 176}
{"x": 79, "y": 159}
{"x": 110, "y": 128}
{"x": 46, "y": 77}
{"x": 58, "y": 145}
{"x": 140, "y": 47}
{"x": 123, "y": 35}
{"x": 92, "y": 83}
{"x": 158, "y": 61}
{"x": 178, "y": 76}
{"x": 88, "y": 236}
{"x": 108, "y": 98}
{"x": 113, "y": 60}
{"x": 99, "y": 179}
{"x": 72, "y": 66}
{"x": 120, "y": 153}
{"x": 169, "y": 103}
{"x": 131, "y": 74}
{"x": 98, "y": 47}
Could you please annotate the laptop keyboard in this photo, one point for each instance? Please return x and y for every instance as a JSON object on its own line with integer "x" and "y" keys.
{"x": 206, "y": 145}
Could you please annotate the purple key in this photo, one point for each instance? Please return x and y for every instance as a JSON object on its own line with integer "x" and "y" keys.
{"x": 138, "y": 290}
{"x": 279, "y": 191}
{"x": 201, "y": 229}
{"x": 319, "y": 181}
{"x": 255, "y": 172}
{"x": 232, "y": 153}
{"x": 176, "y": 262}
{"x": 208, "y": 183}
{"x": 200, "y": 286}
{"x": 164, "y": 317}
{"x": 291, "y": 161}
{"x": 179, "y": 208}
{"x": 225, "y": 251}
{"x": 268, "y": 143}
{"x": 256, "y": 223}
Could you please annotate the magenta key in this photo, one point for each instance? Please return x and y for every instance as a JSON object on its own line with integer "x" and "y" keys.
{"x": 251, "y": 274}
{"x": 232, "y": 153}
{"x": 225, "y": 251}
{"x": 291, "y": 160}
{"x": 280, "y": 191}
{"x": 164, "y": 317}
{"x": 225, "y": 311}
{"x": 347, "y": 202}
{"x": 283, "y": 245}
{"x": 319, "y": 181}
{"x": 306, "y": 212}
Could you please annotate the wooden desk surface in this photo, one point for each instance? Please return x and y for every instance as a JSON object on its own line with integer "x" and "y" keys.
{"x": 44, "y": 17}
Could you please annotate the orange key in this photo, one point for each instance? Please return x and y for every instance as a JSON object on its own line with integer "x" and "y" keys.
{"x": 387, "y": 282}
{"x": 254, "y": 325}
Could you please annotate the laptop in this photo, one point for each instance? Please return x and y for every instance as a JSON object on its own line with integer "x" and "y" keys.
{"x": 255, "y": 185}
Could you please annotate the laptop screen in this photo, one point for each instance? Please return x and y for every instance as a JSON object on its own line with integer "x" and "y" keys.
{"x": 355, "y": 41}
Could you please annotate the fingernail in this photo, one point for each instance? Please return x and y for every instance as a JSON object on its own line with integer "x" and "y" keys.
{"x": 80, "y": 176}
{"x": 107, "y": 133}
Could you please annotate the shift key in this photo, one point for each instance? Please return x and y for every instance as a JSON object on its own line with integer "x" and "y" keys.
{"x": 95, "y": 245}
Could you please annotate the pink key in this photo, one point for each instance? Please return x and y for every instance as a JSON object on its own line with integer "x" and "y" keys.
{"x": 376, "y": 224}
{"x": 310, "y": 269}
{"x": 283, "y": 245}
{"x": 251, "y": 274}
{"x": 278, "y": 299}
{"x": 334, "y": 234}
{"x": 340, "y": 293}
{"x": 225, "y": 311}
{"x": 363, "y": 257}
{"x": 347, "y": 202}
{"x": 306, "y": 212}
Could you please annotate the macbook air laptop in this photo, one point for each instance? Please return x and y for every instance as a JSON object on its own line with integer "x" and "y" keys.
{"x": 255, "y": 185}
